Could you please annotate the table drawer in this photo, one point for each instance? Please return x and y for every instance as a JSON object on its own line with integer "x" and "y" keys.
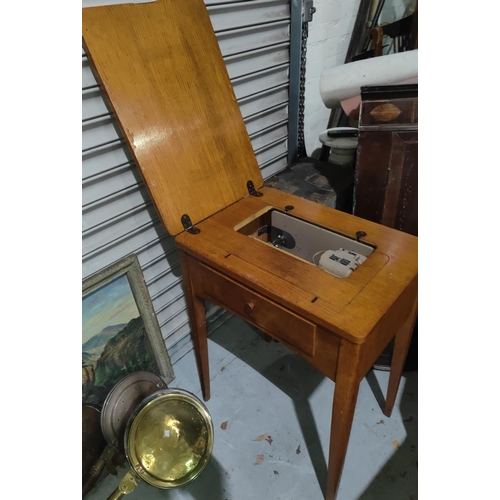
{"x": 256, "y": 309}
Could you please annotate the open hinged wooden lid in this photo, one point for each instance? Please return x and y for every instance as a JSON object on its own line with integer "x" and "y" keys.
{"x": 162, "y": 70}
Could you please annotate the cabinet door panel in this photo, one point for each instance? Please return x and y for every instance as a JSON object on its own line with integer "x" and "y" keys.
{"x": 401, "y": 193}
{"x": 386, "y": 180}
{"x": 373, "y": 158}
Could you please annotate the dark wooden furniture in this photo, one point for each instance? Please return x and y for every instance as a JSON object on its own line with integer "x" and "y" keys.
{"x": 386, "y": 187}
{"x": 170, "y": 91}
{"x": 404, "y": 35}
{"x": 386, "y": 177}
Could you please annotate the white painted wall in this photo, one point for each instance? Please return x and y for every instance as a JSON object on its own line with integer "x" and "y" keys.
{"x": 329, "y": 36}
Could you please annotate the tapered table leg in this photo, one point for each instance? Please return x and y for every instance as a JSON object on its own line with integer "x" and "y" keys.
{"x": 344, "y": 404}
{"x": 198, "y": 322}
{"x": 400, "y": 351}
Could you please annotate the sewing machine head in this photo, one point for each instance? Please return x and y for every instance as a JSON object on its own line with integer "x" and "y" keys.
{"x": 336, "y": 253}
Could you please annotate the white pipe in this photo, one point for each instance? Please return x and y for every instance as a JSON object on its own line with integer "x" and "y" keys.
{"x": 343, "y": 82}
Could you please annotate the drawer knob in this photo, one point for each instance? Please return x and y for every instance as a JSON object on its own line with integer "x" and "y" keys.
{"x": 249, "y": 307}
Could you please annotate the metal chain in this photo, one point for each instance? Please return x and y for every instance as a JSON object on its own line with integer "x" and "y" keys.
{"x": 301, "y": 147}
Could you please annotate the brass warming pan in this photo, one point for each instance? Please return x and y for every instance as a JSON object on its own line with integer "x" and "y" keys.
{"x": 168, "y": 441}
{"x": 119, "y": 404}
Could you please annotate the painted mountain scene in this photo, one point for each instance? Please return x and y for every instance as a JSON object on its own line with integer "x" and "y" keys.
{"x": 114, "y": 340}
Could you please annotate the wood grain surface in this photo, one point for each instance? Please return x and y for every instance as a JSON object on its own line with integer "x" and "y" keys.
{"x": 161, "y": 68}
{"x": 351, "y": 307}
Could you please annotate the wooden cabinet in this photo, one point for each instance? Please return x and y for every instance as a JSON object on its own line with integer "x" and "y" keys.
{"x": 386, "y": 177}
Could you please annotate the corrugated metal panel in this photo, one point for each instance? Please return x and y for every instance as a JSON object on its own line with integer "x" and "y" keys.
{"x": 260, "y": 81}
{"x": 269, "y": 135}
{"x": 231, "y": 15}
{"x": 103, "y": 158}
{"x": 274, "y": 165}
{"x": 97, "y": 131}
{"x": 118, "y": 217}
{"x": 274, "y": 150}
{"x": 267, "y": 118}
{"x": 253, "y": 37}
{"x": 263, "y": 100}
{"x": 251, "y": 62}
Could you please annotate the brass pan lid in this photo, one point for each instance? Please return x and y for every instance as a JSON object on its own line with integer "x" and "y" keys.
{"x": 122, "y": 401}
{"x": 169, "y": 438}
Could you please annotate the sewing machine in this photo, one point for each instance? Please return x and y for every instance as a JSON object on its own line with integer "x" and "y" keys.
{"x": 253, "y": 251}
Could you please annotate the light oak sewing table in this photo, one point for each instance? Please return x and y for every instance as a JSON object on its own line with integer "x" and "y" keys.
{"x": 160, "y": 65}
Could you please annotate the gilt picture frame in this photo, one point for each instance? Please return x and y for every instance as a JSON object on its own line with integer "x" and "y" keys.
{"x": 120, "y": 331}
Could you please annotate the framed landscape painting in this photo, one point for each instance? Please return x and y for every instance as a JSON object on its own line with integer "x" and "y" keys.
{"x": 120, "y": 332}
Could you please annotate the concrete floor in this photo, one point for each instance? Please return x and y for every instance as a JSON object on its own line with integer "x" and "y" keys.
{"x": 259, "y": 388}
